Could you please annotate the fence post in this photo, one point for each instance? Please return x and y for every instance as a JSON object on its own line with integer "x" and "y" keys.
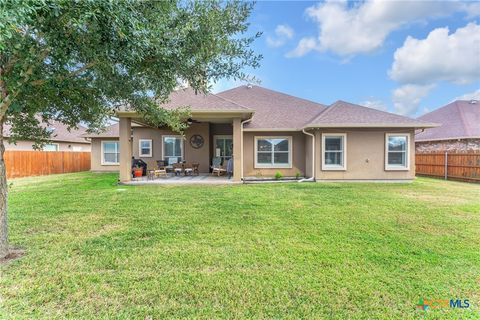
{"x": 446, "y": 165}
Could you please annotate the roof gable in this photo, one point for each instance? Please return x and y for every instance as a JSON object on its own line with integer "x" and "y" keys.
{"x": 458, "y": 119}
{"x": 345, "y": 114}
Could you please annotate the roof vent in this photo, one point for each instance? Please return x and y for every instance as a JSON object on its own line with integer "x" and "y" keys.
{"x": 473, "y": 101}
{"x": 249, "y": 86}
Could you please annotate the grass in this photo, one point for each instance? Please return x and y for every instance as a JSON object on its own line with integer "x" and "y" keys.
{"x": 336, "y": 251}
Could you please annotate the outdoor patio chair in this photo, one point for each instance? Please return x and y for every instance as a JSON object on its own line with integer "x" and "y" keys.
{"x": 195, "y": 167}
{"x": 187, "y": 169}
{"x": 217, "y": 168}
{"x": 177, "y": 168}
{"x": 161, "y": 169}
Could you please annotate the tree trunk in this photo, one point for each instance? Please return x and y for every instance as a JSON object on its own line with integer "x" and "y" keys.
{"x": 3, "y": 198}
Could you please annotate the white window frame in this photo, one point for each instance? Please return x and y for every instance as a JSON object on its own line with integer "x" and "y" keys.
{"x": 215, "y": 137}
{"x": 329, "y": 167}
{"x": 181, "y": 145}
{"x": 389, "y": 167}
{"x": 148, "y": 155}
{"x": 53, "y": 144}
{"x": 104, "y": 163}
{"x": 273, "y": 165}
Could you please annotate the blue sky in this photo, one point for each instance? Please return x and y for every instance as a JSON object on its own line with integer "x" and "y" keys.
{"x": 359, "y": 52}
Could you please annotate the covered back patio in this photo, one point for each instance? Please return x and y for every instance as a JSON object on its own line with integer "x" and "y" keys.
{"x": 210, "y": 138}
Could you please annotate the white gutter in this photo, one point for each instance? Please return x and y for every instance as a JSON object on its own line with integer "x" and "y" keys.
{"x": 312, "y": 178}
{"x": 241, "y": 145}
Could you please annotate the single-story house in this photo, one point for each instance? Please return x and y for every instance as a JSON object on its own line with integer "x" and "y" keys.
{"x": 61, "y": 139}
{"x": 459, "y": 129}
{"x": 268, "y": 132}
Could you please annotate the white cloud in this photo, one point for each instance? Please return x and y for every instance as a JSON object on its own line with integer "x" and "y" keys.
{"x": 475, "y": 95}
{"x": 421, "y": 63}
{"x": 348, "y": 29}
{"x": 407, "y": 98}
{"x": 304, "y": 46}
{"x": 283, "y": 33}
{"x": 375, "y": 104}
{"x": 440, "y": 56}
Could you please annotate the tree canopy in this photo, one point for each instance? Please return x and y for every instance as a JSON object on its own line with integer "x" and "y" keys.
{"x": 76, "y": 61}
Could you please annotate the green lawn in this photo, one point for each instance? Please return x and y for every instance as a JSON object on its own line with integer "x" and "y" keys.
{"x": 331, "y": 251}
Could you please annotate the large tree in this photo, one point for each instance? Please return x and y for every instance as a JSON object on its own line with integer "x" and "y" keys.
{"x": 77, "y": 61}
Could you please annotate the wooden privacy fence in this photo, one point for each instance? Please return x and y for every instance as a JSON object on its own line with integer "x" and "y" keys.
{"x": 456, "y": 166}
{"x": 38, "y": 163}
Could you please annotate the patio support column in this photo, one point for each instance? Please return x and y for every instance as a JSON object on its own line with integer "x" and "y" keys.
{"x": 125, "y": 149}
{"x": 237, "y": 147}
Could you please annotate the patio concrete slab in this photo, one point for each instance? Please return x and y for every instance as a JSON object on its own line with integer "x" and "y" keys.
{"x": 171, "y": 180}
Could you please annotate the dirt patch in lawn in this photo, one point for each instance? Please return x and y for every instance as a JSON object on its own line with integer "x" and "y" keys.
{"x": 14, "y": 254}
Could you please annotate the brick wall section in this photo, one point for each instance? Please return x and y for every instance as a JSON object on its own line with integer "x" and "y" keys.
{"x": 462, "y": 145}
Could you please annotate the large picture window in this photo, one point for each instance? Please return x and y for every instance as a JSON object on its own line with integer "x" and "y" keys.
{"x": 110, "y": 153}
{"x": 273, "y": 152}
{"x": 397, "y": 154}
{"x": 223, "y": 147}
{"x": 173, "y": 149}
{"x": 334, "y": 151}
{"x": 145, "y": 147}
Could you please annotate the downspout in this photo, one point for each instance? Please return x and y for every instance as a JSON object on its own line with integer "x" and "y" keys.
{"x": 241, "y": 144}
{"x": 312, "y": 178}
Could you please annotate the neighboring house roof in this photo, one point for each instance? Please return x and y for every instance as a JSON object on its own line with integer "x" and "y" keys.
{"x": 60, "y": 132}
{"x": 274, "y": 110}
{"x": 112, "y": 131}
{"x": 345, "y": 114}
{"x": 187, "y": 97}
{"x": 459, "y": 119}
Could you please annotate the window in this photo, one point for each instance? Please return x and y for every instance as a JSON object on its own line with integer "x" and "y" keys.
{"x": 145, "y": 148}
{"x": 223, "y": 147}
{"x": 334, "y": 150}
{"x": 273, "y": 152}
{"x": 172, "y": 149}
{"x": 396, "y": 151}
{"x": 110, "y": 153}
{"x": 50, "y": 147}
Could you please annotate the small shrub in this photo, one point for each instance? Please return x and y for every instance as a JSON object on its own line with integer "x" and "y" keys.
{"x": 298, "y": 175}
{"x": 278, "y": 175}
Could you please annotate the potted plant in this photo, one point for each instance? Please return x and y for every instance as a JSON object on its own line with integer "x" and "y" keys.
{"x": 137, "y": 171}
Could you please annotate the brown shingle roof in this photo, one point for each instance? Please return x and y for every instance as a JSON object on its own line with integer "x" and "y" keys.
{"x": 273, "y": 110}
{"x": 60, "y": 132}
{"x": 201, "y": 102}
{"x": 459, "y": 119}
{"x": 345, "y": 114}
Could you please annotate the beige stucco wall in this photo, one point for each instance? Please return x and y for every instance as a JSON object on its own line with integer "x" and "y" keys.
{"x": 62, "y": 146}
{"x": 308, "y": 156}
{"x": 298, "y": 155}
{"x": 365, "y": 156}
{"x": 201, "y": 155}
{"x": 96, "y": 156}
{"x": 362, "y": 145}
